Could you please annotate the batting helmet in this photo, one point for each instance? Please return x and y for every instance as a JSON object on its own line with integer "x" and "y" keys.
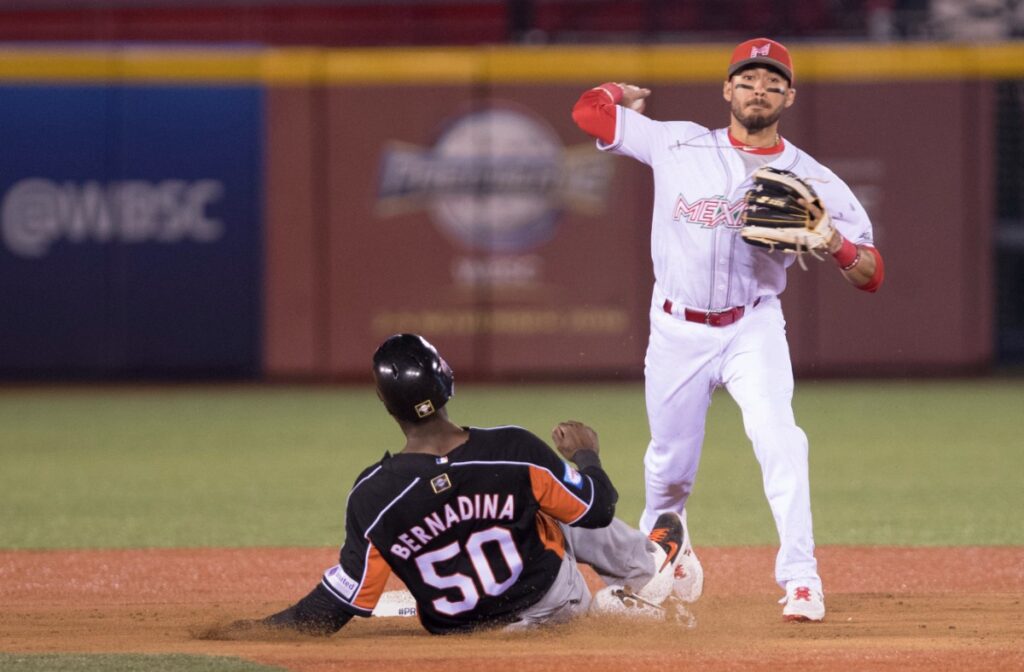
{"x": 413, "y": 381}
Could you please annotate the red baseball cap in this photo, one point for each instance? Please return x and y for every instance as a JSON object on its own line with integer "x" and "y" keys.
{"x": 763, "y": 51}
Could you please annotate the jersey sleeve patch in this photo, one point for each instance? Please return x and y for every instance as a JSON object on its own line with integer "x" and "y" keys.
{"x": 340, "y": 583}
{"x": 360, "y": 595}
{"x": 573, "y": 477}
{"x": 555, "y": 498}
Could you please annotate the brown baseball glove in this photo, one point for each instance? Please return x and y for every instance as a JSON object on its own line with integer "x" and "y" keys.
{"x": 784, "y": 213}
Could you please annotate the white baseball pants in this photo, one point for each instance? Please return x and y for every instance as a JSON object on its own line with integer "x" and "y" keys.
{"x": 685, "y": 362}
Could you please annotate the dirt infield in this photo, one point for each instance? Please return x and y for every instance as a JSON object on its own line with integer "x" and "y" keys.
{"x": 889, "y": 609}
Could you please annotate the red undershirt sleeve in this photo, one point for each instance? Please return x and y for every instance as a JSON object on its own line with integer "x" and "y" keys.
{"x": 595, "y": 112}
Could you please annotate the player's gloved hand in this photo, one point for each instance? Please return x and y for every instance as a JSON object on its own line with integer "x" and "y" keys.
{"x": 783, "y": 212}
{"x": 573, "y": 436}
{"x": 821, "y": 224}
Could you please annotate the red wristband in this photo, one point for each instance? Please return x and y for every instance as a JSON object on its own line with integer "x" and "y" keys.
{"x": 875, "y": 282}
{"x": 613, "y": 90}
{"x": 846, "y": 255}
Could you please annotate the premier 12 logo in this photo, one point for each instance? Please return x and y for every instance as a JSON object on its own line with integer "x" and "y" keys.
{"x": 496, "y": 180}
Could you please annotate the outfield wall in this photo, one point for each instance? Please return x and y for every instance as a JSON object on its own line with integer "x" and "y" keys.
{"x": 277, "y": 213}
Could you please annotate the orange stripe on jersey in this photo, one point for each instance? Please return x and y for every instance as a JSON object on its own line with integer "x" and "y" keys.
{"x": 550, "y": 533}
{"x": 553, "y": 498}
{"x": 377, "y": 573}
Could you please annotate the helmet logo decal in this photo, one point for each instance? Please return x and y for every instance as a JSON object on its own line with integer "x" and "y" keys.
{"x": 412, "y": 380}
{"x": 440, "y": 483}
{"x": 424, "y": 408}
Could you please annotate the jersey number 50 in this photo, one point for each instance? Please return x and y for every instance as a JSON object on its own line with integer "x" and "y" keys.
{"x": 485, "y": 574}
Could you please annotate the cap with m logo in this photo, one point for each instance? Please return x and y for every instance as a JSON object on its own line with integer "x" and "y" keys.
{"x": 762, "y": 51}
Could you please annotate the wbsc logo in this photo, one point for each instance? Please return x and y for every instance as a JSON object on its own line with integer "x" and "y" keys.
{"x": 496, "y": 180}
{"x": 37, "y": 213}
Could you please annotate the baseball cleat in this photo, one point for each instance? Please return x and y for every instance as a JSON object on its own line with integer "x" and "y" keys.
{"x": 622, "y": 601}
{"x": 666, "y": 539}
{"x": 679, "y": 572}
{"x": 688, "y": 584}
{"x": 804, "y": 603}
{"x": 668, "y": 534}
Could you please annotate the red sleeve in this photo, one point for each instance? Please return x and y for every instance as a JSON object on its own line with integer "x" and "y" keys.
{"x": 596, "y": 109}
{"x": 875, "y": 282}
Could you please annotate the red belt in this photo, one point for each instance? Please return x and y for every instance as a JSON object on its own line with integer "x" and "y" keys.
{"x": 712, "y": 318}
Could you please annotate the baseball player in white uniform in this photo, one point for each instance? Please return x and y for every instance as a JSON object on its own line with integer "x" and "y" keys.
{"x": 716, "y": 319}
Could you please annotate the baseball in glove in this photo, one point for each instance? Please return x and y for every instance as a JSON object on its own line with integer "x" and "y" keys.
{"x": 784, "y": 213}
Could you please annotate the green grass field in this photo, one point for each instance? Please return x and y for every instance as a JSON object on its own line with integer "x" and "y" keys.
{"x": 53, "y": 662}
{"x": 908, "y": 463}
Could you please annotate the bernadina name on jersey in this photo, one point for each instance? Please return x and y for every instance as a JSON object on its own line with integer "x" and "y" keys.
{"x": 480, "y": 506}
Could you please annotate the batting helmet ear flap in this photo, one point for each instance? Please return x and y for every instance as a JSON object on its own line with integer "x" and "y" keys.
{"x": 413, "y": 380}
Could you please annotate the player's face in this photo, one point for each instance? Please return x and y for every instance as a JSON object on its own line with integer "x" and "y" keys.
{"x": 757, "y": 97}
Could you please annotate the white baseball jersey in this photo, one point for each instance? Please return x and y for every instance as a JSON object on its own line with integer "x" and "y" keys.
{"x": 700, "y": 178}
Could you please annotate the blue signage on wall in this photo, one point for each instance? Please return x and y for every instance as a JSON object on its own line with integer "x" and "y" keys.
{"x": 130, "y": 230}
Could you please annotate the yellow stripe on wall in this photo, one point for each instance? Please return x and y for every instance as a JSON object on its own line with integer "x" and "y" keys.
{"x": 45, "y": 66}
{"x": 501, "y": 65}
{"x": 913, "y": 62}
{"x": 129, "y": 64}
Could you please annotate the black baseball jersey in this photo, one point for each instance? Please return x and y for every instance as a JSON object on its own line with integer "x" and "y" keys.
{"x": 472, "y": 534}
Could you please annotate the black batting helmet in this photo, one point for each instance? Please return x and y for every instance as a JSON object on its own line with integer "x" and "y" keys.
{"x": 412, "y": 379}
